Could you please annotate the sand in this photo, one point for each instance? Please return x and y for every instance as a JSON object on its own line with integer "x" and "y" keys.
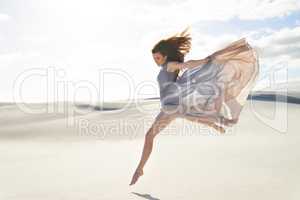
{"x": 93, "y": 154}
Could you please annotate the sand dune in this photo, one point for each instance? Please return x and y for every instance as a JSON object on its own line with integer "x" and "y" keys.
{"x": 91, "y": 151}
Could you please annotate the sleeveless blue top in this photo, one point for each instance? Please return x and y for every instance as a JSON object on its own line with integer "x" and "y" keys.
{"x": 167, "y": 86}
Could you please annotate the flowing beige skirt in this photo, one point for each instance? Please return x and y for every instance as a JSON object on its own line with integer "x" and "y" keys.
{"x": 218, "y": 88}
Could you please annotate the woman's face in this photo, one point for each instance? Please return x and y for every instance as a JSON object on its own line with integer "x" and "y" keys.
{"x": 159, "y": 58}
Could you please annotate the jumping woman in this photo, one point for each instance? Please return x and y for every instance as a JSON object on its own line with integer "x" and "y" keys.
{"x": 211, "y": 91}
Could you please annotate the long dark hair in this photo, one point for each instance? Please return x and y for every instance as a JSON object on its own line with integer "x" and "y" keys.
{"x": 174, "y": 47}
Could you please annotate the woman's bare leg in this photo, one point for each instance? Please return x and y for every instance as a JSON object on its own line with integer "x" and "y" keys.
{"x": 161, "y": 121}
{"x": 235, "y": 109}
{"x": 211, "y": 120}
{"x": 206, "y": 121}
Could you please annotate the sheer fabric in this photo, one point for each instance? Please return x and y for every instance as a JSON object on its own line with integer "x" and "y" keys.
{"x": 217, "y": 88}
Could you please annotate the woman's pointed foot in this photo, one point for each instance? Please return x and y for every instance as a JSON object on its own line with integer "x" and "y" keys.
{"x": 228, "y": 122}
{"x": 220, "y": 129}
{"x": 136, "y": 175}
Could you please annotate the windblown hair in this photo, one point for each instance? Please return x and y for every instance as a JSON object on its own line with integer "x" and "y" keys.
{"x": 174, "y": 47}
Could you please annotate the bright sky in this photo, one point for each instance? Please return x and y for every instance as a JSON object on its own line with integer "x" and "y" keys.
{"x": 101, "y": 50}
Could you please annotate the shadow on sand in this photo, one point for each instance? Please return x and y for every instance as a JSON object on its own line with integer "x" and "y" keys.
{"x": 146, "y": 196}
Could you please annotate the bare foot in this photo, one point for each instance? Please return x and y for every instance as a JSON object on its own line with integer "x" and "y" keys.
{"x": 233, "y": 121}
{"x": 136, "y": 175}
{"x": 218, "y": 128}
{"x": 228, "y": 122}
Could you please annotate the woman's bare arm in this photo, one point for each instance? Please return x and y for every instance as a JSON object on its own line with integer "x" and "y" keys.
{"x": 173, "y": 66}
{"x": 193, "y": 63}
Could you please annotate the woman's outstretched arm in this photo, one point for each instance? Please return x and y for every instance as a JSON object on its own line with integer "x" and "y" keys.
{"x": 161, "y": 121}
{"x": 193, "y": 63}
{"x": 173, "y": 66}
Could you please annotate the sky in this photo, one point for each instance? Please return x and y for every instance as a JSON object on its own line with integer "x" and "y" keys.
{"x": 101, "y": 50}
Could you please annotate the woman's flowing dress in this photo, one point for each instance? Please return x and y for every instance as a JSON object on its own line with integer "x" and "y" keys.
{"x": 217, "y": 88}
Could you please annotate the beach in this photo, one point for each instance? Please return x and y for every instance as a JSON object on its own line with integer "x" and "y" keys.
{"x": 93, "y": 154}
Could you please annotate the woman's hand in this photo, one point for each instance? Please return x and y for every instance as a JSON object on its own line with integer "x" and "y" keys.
{"x": 136, "y": 175}
{"x": 193, "y": 63}
{"x": 174, "y": 65}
